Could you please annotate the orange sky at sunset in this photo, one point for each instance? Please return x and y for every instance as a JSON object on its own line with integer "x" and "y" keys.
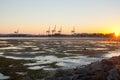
{"x": 35, "y": 16}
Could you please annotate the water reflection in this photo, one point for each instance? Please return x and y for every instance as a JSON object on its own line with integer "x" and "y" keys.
{"x": 56, "y": 53}
{"x": 112, "y": 53}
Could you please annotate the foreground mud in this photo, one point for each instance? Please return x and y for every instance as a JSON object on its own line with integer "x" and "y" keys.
{"x": 16, "y": 70}
{"x": 107, "y": 69}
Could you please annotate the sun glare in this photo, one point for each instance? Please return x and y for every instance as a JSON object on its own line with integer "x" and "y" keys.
{"x": 117, "y": 34}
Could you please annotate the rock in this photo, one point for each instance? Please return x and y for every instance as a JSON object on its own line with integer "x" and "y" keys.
{"x": 95, "y": 68}
{"x": 113, "y": 74}
{"x": 86, "y": 78}
{"x": 107, "y": 69}
{"x": 51, "y": 78}
{"x": 107, "y": 64}
{"x": 66, "y": 78}
{"x": 75, "y": 77}
{"x": 115, "y": 60}
{"x": 117, "y": 67}
{"x": 82, "y": 71}
{"x": 67, "y": 72}
{"x": 100, "y": 76}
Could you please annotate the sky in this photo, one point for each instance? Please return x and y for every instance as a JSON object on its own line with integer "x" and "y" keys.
{"x": 35, "y": 16}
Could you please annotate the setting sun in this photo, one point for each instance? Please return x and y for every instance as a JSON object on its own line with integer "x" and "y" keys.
{"x": 117, "y": 34}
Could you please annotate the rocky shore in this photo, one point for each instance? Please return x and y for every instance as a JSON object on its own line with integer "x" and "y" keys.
{"x": 106, "y": 69}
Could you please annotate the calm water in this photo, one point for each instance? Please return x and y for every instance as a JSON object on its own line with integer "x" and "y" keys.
{"x": 62, "y": 52}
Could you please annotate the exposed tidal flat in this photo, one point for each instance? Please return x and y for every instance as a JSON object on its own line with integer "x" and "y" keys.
{"x": 38, "y": 58}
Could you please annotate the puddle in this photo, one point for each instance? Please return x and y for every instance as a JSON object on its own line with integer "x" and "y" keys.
{"x": 10, "y": 48}
{"x": 112, "y": 53}
{"x": 3, "y": 77}
{"x": 21, "y": 73}
{"x": 66, "y": 62}
{"x": 1, "y": 53}
{"x": 36, "y": 67}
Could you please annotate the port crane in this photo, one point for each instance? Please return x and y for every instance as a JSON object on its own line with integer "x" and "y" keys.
{"x": 17, "y": 31}
{"x": 73, "y": 31}
{"x": 48, "y": 31}
{"x": 54, "y": 30}
{"x": 60, "y": 30}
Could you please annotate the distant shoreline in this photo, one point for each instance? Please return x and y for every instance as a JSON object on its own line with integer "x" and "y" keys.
{"x": 72, "y": 38}
{"x": 110, "y": 35}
